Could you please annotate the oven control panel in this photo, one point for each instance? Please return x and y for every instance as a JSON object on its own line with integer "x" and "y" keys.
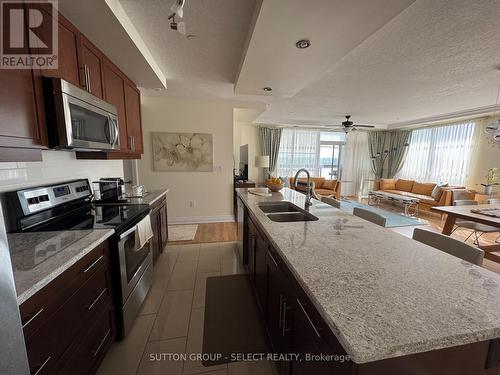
{"x": 41, "y": 198}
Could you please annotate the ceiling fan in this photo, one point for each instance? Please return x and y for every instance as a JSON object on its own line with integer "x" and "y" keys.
{"x": 348, "y": 125}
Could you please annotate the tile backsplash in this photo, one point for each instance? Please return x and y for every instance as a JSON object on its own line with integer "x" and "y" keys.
{"x": 56, "y": 166}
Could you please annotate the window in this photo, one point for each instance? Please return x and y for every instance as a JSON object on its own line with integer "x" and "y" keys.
{"x": 440, "y": 154}
{"x": 330, "y": 154}
{"x": 318, "y": 152}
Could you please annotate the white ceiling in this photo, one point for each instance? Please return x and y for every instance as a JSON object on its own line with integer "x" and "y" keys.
{"x": 435, "y": 57}
{"x": 271, "y": 58}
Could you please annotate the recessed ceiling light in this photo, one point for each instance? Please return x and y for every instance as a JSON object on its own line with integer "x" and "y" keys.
{"x": 267, "y": 89}
{"x": 303, "y": 43}
{"x": 191, "y": 36}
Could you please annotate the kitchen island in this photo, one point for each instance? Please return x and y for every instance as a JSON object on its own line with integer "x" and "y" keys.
{"x": 389, "y": 304}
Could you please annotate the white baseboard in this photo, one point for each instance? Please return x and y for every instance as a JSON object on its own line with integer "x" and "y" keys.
{"x": 201, "y": 219}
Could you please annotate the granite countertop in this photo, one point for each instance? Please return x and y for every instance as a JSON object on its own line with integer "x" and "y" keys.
{"x": 382, "y": 294}
{"x": 150, "y": 198}
{"x": 39, "y": 257}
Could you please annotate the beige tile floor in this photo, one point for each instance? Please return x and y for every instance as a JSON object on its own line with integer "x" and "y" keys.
{"x": 171, "y": 318}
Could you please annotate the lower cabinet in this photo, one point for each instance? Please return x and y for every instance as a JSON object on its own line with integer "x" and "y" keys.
{"x": 69, "y": 324}
{"x": 159, "y": 223}
{"x": 292, "y": 324}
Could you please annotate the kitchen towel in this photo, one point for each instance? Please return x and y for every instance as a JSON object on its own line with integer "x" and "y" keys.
{"x": 143, "y": 232}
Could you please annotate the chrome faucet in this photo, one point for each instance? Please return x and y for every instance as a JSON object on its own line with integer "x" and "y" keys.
{"x": 308, "y": 187}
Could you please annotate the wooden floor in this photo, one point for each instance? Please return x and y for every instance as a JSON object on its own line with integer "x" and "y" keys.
{"x": 213, "y": 232}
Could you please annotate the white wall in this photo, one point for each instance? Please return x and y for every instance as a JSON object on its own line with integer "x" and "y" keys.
{"x": 56, "y": 166}
{"x": 248, "y": 134}
{"x": 486, "y": 156}
{"x": 211, "y": 192}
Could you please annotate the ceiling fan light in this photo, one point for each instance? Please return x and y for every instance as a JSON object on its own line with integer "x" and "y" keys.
{"x": 177, "y": 8}
{"x": 492, "y": 128}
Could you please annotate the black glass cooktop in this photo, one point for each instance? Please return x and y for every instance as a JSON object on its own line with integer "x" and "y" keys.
{"x": 117, "y": 217}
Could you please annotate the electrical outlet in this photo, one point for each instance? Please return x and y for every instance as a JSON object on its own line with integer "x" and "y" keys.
{"x": 192, "y": 204}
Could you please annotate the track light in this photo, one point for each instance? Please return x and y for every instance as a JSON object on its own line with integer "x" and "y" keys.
{"x": 177, "y": 26}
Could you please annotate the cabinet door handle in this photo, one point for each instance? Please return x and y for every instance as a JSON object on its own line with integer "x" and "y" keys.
{"x": 93, "y": 264}
{"x": 281, "y": 310}
{"x": 95, "y": 352}
{"x": 90, "y": 81}
{"x": 286, "y": 308}
{"x": 32, "y": 318}
{"x": 83, "y": 69}
{"x": 272, "y": 258}
{"x": 316, "y": 330}
{"x": 40, "y": 368}
{"x": 133, "y": 142}
{"x": 91, "y": 306}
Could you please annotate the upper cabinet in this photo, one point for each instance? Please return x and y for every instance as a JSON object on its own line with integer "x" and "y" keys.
{"x": 133, "y": 113}
{"x": 91, "y": 68}
{"x": 69, "y": 39}
{"x": 22, "y": 117}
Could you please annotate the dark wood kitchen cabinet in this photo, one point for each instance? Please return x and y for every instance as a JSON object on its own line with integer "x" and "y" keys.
{"x": 22, "y": 116}
{"x": 68, "y": 67}
{"x": 133, "y": 114}
{"x": 69, "y": 324}
{"x": 114, "y": 93}
{"x": 92, "y": 68}
{"x": 159, "y": 223}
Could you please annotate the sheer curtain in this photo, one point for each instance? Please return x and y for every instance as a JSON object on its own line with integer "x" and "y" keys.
{"x": 299, "y": 148}
{"x": 440, "y": 154}
{"x": 357, "y": 174}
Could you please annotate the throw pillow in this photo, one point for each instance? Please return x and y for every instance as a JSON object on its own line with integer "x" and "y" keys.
{"x": 437, "y": 192}
{"x": 404, "y": 185}
{"x": 423, "y": 188}
{"x": 329, "y": 184}
{"x": 387, "y": 184}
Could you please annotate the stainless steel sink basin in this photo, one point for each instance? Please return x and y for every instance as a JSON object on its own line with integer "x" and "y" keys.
{"x": 286, "y": 217}
{"x": 279, "y": 207}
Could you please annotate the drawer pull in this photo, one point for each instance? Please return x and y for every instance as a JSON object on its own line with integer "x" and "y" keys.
{"x": 93, "y": 264}
{"x": 95, "y": 352}
{"x": 97, "y": 299}
{"x": 32, "y": 318}
{"x": 316, "y": 330}
{"x": 43, "y": 365}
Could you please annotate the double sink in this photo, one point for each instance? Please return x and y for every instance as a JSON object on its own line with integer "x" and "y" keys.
{"x": 285, "y": 212}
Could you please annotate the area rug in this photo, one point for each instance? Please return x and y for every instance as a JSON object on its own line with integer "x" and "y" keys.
{"x": 182, "y": 232}
{"x": 394, "y": 219}
{"x": 232, "y": 323}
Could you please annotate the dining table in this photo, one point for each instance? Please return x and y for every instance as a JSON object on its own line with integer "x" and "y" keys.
{"x": 453, "y": 213}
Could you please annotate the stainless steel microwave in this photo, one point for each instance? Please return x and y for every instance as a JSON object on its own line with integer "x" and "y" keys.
{"x": 77, "y": 119}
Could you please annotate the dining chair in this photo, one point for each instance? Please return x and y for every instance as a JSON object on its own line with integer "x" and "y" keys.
{"x": 370, "y": 216}
{"x": 449, "y": 245}
{"x": 477, "y": 229}
{"x": 331, "y": 201}
{"x": 495, "y": 201}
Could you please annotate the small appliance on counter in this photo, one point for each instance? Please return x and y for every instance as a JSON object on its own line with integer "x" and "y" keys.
{"x": 68, "y": 206}
{"x": 109, "y": 190}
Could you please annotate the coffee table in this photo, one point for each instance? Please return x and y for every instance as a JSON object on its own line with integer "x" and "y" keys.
{"x": 410, "y": 204}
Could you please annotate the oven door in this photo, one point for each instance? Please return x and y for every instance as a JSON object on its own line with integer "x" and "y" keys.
{"x": 88, "y": 126}
{"x": 134, "y": 260}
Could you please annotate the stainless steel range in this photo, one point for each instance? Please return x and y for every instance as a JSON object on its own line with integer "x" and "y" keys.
{"x": 67, "y": 206}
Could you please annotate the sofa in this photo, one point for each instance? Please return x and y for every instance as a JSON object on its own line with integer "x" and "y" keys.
{"x": 321, "y": 187}
{"x": 425, "y": 191}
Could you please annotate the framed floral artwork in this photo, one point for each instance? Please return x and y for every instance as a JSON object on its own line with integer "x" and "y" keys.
{"x": 183, "y": 152}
